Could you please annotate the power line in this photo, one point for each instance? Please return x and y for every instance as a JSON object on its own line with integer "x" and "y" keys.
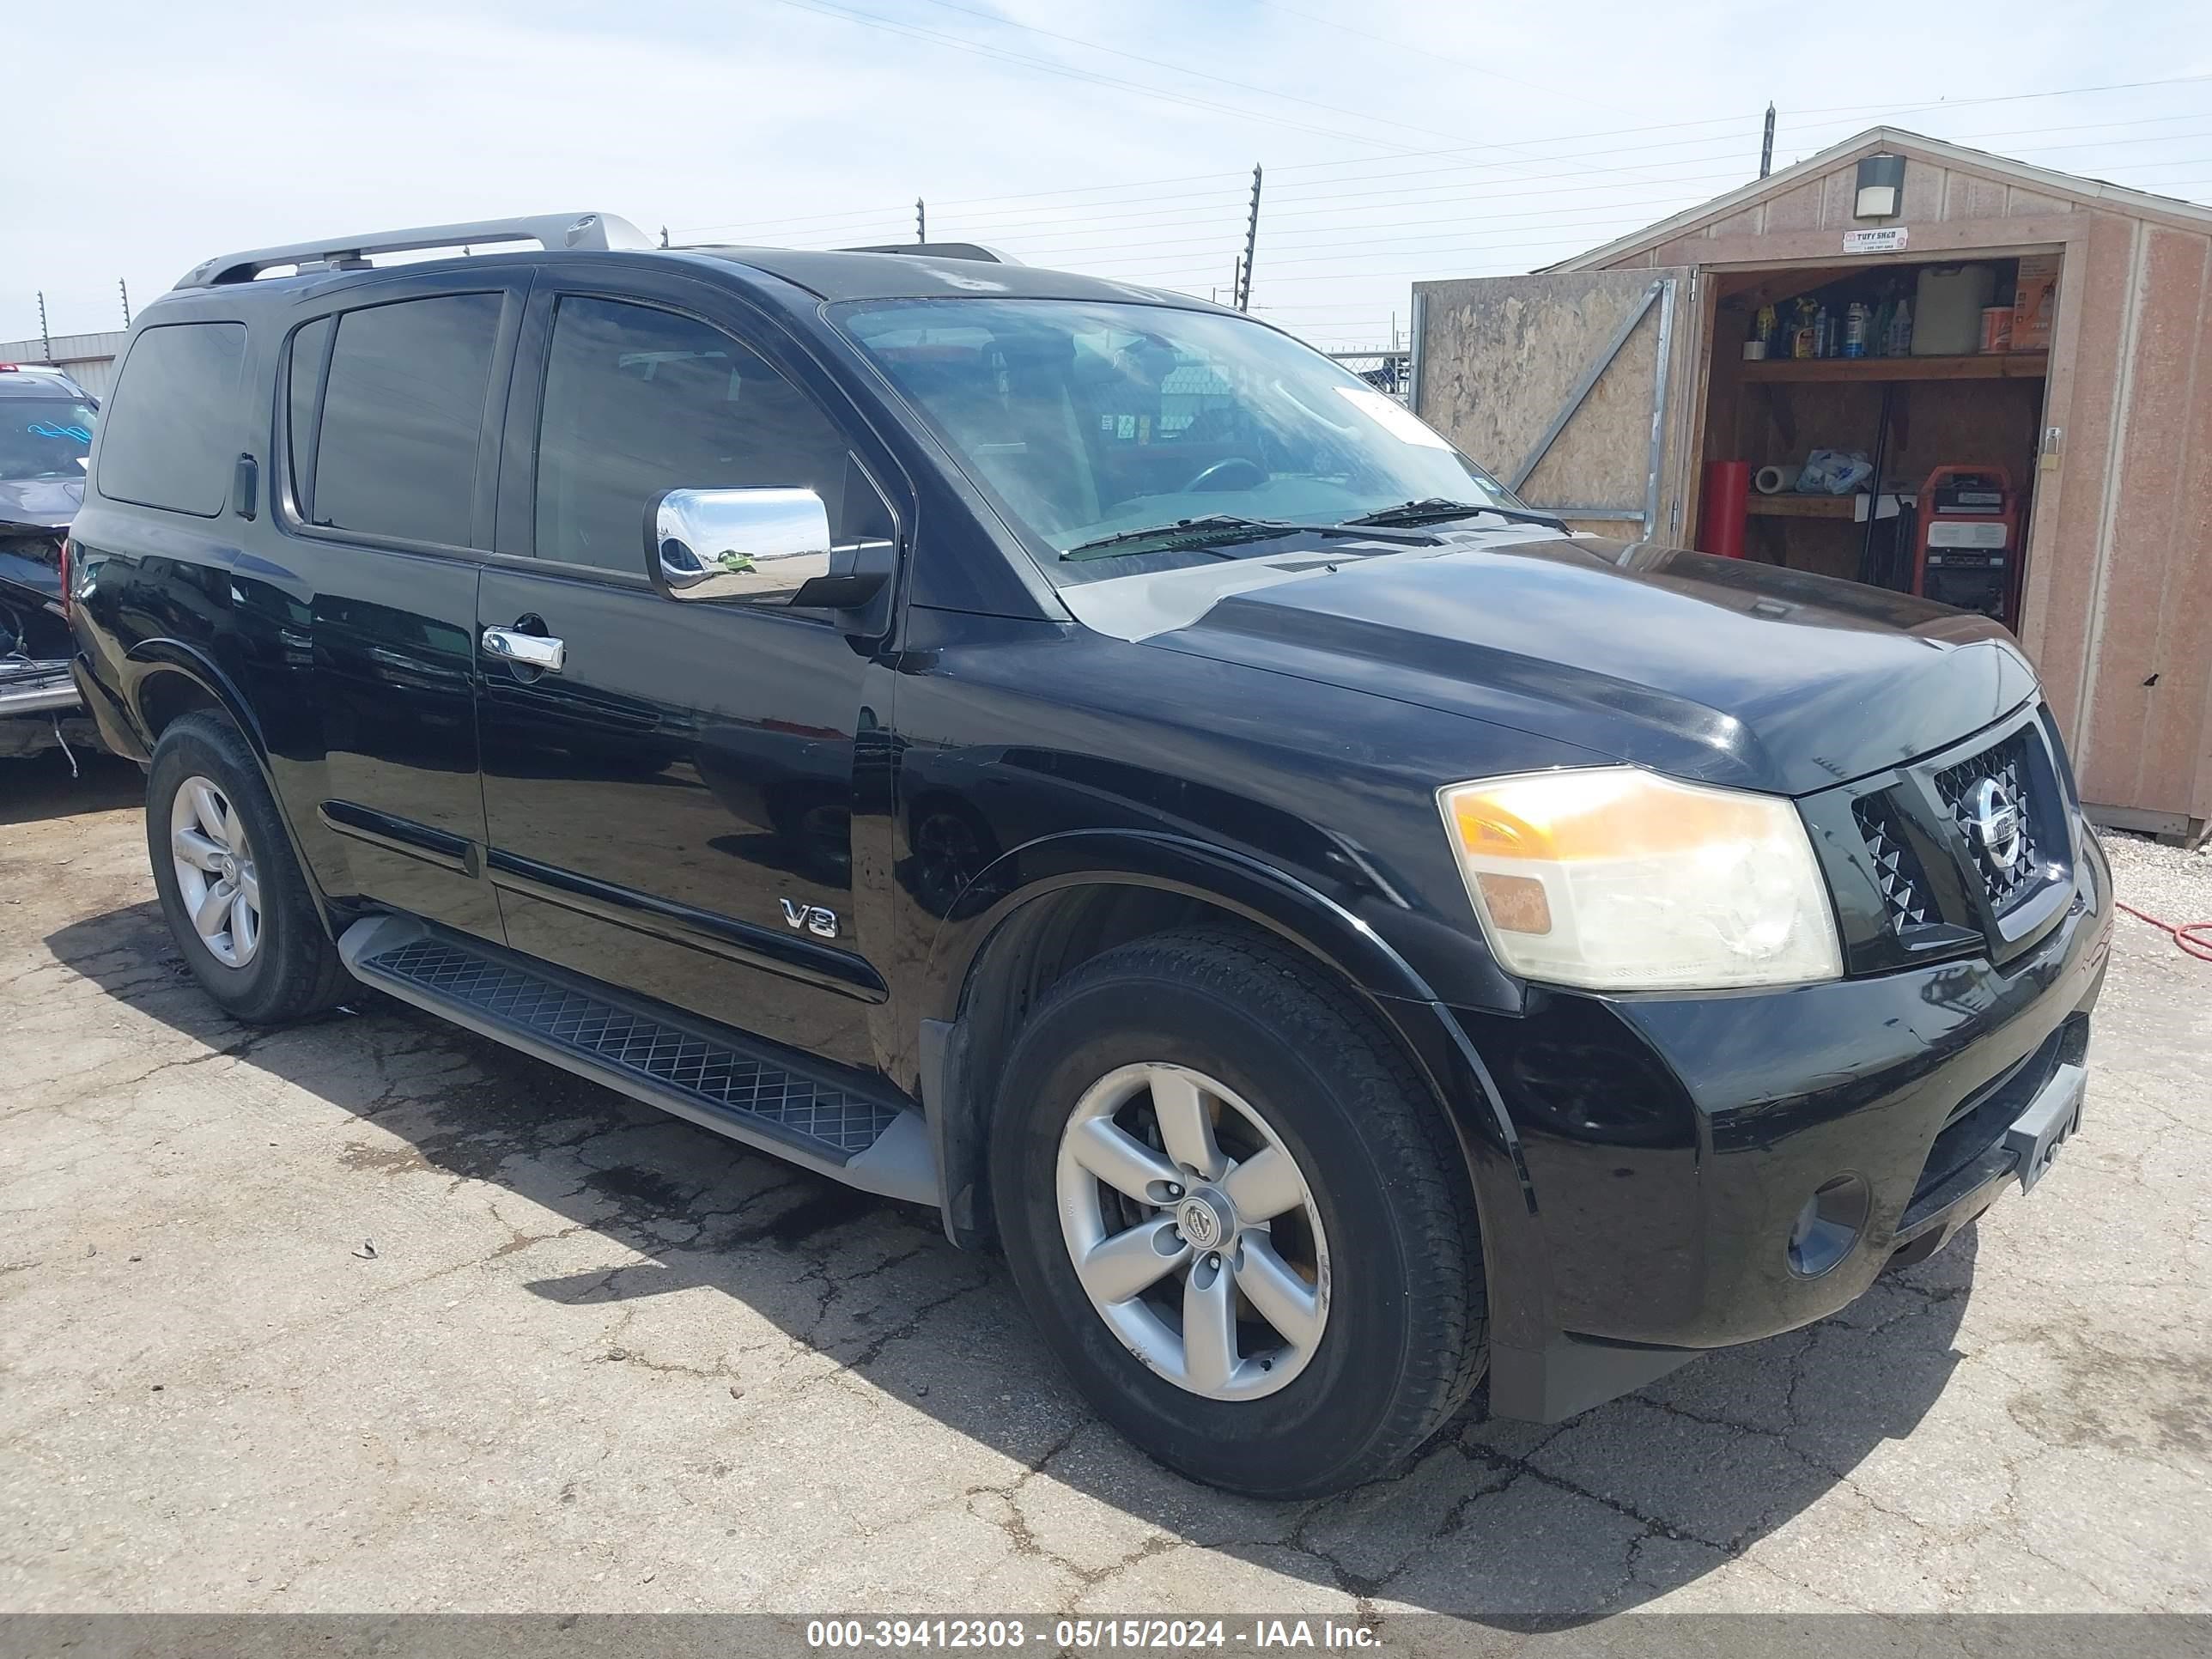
{"x": 1156, "y": 210}
{"x": 869, "y": 19}
{"x": 1797, "y": 125}
{"x": 1200, "y": 75}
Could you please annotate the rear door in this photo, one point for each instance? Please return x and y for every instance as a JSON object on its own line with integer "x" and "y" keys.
{"x": 672, "y": 809}
{"x": 389, "y": 404}
{"x": 1573, "y": 387}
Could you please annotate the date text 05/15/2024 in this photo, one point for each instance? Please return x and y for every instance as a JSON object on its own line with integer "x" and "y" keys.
{"x": 1088, "y": 1635}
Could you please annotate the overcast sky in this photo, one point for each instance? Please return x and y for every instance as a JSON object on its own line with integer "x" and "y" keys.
{"x": 1401, "y": 140}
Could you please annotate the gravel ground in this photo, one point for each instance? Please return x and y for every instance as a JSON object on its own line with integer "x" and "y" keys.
{"x": 369, "y": 1315}
{"x": 2166, "y": 882}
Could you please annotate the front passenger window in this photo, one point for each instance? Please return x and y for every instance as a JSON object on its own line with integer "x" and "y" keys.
{"x": 638, "y": 401}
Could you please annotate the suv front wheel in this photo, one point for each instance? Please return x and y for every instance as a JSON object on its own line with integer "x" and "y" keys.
{"x": 1236, "y": 1215}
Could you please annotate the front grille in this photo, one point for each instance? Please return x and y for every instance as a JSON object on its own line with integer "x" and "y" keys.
{"x": 1897, "y": 869}
{"x": 2006, "y": 880}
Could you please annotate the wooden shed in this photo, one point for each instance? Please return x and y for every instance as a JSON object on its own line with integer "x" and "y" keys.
{"x": 1610, "y": 385}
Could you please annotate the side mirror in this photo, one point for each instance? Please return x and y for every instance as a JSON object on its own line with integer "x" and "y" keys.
{"x": 762, "y": 546}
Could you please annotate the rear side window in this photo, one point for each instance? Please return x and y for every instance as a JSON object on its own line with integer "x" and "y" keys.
{"x": 403, "y": 409}
{"x": 168, "y": 434}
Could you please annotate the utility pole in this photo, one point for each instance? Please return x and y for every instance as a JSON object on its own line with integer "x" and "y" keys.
{"x": 1766, "y": 145}
{"x": 122, "y": 288}
{"x": 1251, "y": 244}
{"x": 45, "y": 341}
{"x": 920, "y": 220}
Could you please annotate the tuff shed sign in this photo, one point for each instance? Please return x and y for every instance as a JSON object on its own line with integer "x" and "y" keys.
{"x": 1889, "y": 239}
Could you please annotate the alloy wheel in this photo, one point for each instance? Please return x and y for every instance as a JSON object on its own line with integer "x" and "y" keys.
{"x": 216, "y": 874}
{"x": 1193, "y": 1232}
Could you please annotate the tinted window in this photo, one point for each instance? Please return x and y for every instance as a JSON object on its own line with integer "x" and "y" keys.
{"x": 401, "y": 413}
{"x": 171, "y": 433}
{"x": 308, "y": 345}
{"x": 639, "y": 401}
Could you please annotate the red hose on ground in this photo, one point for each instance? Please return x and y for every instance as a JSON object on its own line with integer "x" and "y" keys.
{"x": 2194, "y": 936}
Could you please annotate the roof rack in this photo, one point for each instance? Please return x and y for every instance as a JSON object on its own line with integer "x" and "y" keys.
{"x": 989, "y": 256}
{"x": 556, "y": 231}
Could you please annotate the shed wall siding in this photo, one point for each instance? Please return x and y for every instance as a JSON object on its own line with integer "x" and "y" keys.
{"x": 2062, "y": 588}
{"x": 2153, "y": 652}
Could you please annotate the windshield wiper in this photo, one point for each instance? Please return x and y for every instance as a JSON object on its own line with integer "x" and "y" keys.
{"x": 1435, "y": 510}
{"x": 1216, "y": 531}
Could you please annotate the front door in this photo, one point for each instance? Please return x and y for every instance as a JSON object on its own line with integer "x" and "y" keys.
{"x": 671, "y": 809}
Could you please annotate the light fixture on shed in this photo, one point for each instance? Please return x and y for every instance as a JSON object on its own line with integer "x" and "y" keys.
{"x": 1881, "y": 187}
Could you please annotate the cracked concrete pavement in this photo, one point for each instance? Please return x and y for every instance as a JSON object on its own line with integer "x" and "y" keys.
{"x": 371, "y": 1315}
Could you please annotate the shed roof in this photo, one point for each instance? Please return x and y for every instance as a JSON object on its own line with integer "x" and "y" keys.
{"x": 1938, "y": 152}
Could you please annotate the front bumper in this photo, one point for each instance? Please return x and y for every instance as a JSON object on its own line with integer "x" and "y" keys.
{"x": 1670, "y": 1144}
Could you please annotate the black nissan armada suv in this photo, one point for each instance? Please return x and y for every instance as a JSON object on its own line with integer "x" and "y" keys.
{"x": 1068, "y": 754}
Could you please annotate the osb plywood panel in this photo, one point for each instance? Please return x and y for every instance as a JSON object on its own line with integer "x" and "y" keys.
{"x": 1498, "y": 357}
{"x": 1736, "y": 224}
{"x": 2149, "y": 698}
{"x": 2060, "y": 587}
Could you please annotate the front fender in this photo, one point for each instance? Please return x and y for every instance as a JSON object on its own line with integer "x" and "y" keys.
{"x": 1351, "y": 951}
{"x": 1278, "y": 902}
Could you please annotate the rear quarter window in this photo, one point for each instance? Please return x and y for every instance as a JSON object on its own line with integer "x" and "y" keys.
{"x": 169, "y": 434}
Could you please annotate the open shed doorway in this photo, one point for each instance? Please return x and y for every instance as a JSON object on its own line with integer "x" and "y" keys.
{"x": 1921, "y": 400}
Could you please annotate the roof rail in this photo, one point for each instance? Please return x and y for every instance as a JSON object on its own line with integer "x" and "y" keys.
{"x": 989, "y": 256}
{"x": 556, "y": 231}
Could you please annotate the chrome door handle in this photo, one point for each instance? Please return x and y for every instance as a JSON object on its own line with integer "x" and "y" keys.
{"x": 525, "y": 650}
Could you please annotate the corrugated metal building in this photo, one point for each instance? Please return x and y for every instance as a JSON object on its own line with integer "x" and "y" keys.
{"x": 1606, "y": 384}
{"x": 87, "y": 359}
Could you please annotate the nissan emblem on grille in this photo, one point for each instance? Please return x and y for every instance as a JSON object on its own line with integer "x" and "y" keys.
{"x": 1997, "y": 824}
{"x": 1989, "y": 802}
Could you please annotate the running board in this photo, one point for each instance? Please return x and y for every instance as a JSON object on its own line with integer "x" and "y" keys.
{"x": 736, "y": 1085}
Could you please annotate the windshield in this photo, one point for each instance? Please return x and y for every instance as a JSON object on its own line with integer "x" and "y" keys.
{"x": 1087, "y": 420}
{"x": 43, "y": 437}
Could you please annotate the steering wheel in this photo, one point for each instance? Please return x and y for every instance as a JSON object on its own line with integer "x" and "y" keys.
{"x": 1220, "y": 475}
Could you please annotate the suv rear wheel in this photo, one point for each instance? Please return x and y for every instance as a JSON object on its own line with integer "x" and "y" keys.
{"x": 1239, "y": 1221}
{"x": 231, "y": 889}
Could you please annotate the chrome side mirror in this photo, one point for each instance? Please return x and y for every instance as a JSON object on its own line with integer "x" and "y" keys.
{"x": 757, "y": 544}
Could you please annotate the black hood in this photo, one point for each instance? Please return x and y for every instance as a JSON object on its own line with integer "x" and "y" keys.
{"x": 1717, "y": 670}
{"x": 39, "y": 503}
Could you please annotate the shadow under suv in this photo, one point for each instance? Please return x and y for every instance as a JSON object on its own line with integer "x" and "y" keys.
{"x": 1070, "y": 755}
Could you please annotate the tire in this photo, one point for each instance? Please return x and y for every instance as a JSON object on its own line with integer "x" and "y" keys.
{"x": 283, "y": 966}
{"x": 1383, "y": 1235}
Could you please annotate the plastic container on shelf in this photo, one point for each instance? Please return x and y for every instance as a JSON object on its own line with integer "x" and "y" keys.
{"x": 1947, "y": 307}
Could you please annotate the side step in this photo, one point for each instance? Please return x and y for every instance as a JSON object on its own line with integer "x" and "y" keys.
{"x": 767, "y": 1096}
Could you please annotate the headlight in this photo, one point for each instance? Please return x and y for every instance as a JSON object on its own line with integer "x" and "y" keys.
{"x": 1619, "y": 880}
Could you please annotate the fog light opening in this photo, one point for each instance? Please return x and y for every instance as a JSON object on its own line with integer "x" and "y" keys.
{"x": 1828, "y": 1227}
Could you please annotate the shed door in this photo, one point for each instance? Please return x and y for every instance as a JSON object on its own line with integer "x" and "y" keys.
{"x": 1573, "y": 387}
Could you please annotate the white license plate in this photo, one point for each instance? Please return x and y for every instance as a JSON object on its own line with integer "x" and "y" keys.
{"x": 2037, "y": 1133}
